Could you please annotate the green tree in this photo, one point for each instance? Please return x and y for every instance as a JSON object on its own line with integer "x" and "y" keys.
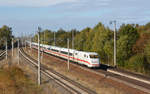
{"x": 147, "y": 52}
{"x": 108, "y": 48}
{"x": 136, "y": 63}
{"x": 102, "y": 36}
{"x": 128, "y": 36}
{"x": 133, "y": 47}
{"x": 147, "y": 55}
{"x": 5, "y": 34}
{"x": 48, "y": 37}
{"x": 81, "y": 38}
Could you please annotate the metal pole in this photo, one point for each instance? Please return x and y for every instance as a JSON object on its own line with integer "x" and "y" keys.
{"x": 25, "y": 44}
{"x": 6, "y": 50}
{"x": 43, "y": 48}
{"x": 115, "y": 53}
{"x": 21, "y": 41}
{"x": 30, "y": 42}
{"x": 12, "y": 47}
{"x": 39, "y": 74}
{"x": 42, "y": 43}
{"x": 68, "y": 53}
{"x": 18, "y": 51}
{"x": 54, "y": 39}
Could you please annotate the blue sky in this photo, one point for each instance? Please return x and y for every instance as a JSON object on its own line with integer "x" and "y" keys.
{"x": 24, "y": 16}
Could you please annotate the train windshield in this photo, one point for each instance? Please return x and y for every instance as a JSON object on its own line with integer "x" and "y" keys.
{"x": 94, "y": 56}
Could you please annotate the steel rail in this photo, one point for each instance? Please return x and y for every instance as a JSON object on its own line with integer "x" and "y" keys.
{"x": 67, "y": 84}
{"x": 2, "y": 53}
{"x": 118, "y": 78}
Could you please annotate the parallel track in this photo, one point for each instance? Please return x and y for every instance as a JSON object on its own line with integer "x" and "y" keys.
{"x": 145, "y": 87}
{"x": 73, "y": 87}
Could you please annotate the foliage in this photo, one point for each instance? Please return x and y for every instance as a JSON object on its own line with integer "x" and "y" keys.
{"x": 136, "y": 63}
{"x": 147, "y": 55}
{"x": 61, "y": 36}
{"x": 102, "y": 37}
{"x": 5, "y": 34}
{"x": 81, "y": 39}
{"x": 133, "y": 44}
{"x": 141, "y": 43}
{"x": 128, "y": 36}
{"x": 147, "y": 52}
{"x": 108, "y": 48}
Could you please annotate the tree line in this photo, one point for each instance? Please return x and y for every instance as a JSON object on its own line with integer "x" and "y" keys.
{"x": 133, "y": 44}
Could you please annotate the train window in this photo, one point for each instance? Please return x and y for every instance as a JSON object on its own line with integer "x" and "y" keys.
{"x": 84, "y": 55}
{"x": 64, "y": 52}
{"x": 55, "y": 50}
{"x": 70, "y": 54}
{"x": 94, "y": 56}
{"x": 76, "y": 53}
{"x": 48, "y": 48}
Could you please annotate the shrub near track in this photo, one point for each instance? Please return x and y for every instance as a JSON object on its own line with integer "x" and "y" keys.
{"x": 14, "y": 81}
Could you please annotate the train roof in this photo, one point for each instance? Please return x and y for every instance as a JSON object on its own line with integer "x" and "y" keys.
{"x": 89, "y": 52}
{"x": 65, "y": 49}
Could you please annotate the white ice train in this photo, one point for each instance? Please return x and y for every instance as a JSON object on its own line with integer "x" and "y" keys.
{"x": 90, "y": 59}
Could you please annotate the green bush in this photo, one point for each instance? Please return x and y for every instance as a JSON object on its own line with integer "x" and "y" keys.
{"x": 136, "y": 63}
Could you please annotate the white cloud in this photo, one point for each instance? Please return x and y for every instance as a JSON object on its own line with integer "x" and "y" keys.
{"x": 33, "y": 3}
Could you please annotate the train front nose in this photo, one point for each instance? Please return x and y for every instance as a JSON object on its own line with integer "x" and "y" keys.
{"x": 95, "y": 63}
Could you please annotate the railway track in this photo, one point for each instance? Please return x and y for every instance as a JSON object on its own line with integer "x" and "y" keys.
{"x": 129, "y": 81}
{"x": 70, "y": 85}
{"x": 135, "y": 76}
{"x": 138, "y": 84}
{"x": 3, "y": 53}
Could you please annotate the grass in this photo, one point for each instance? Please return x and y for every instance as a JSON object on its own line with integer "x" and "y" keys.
{"x": 14, "y": 81}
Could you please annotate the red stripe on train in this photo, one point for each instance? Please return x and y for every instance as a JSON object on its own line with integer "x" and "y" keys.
{"x": 66, "y": 56}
